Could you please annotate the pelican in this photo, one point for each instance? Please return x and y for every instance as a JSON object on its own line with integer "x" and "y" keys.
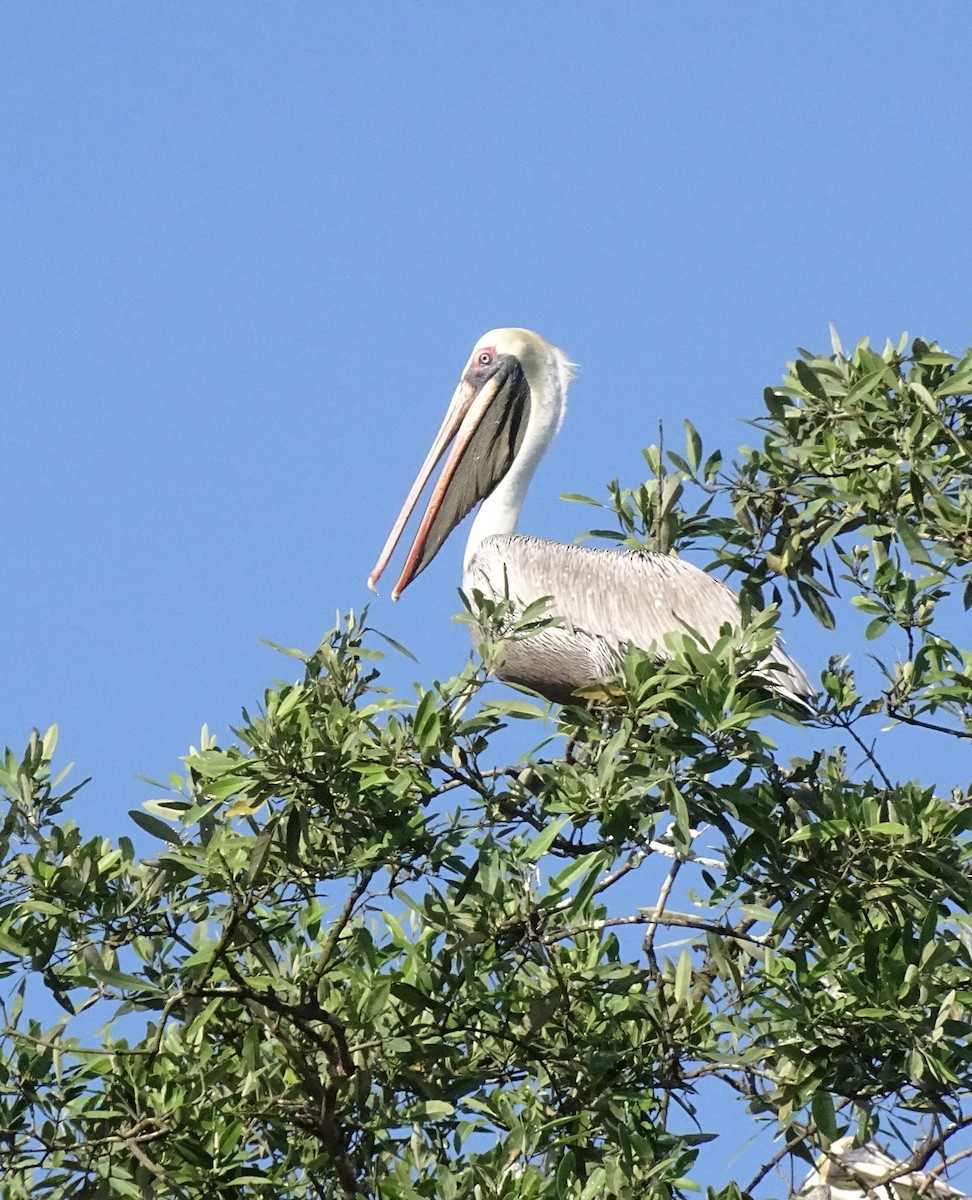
{"x": 849, "y": 1172}
{"x": 505, "y": 412}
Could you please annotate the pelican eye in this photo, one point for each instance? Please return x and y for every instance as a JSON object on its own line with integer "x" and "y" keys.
{"x": 485, "y": 358}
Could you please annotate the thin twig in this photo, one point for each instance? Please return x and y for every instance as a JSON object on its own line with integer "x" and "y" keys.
{"x": 920, "y": 724}
{"x": 633, "y": 863}
{"x": 653, "y": 917}
{"x": 932, "y": 1145}
{"x": 669, "y": 851}
{"x": 152, "y": 1167}
{"x": 339, "y": 924}
{"x": 868, "y": 752}
{"x": 666, "y": 889}
{"x": 768, "y": 1166}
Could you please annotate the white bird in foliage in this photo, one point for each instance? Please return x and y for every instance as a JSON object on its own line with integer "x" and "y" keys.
{"x": 503, "y": 417}
{"x": 849, "y": 1172}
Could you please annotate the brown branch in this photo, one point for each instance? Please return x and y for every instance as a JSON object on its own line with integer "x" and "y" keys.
{"x": 785, "y": 1149}
{"x": 705, "y": 976}
{"x": 164, "y": 1015}
{"x": 950, "y": 1161}
{"x": 338, "y": 927}
{"x": 933, "y": 1145}
{"x": 844, "y": 722}
{"x": 896, "y": 715}
{"x": 152, "y": 1167}
{"x": 633, "y": 863}
{"x": 323, "y": 1124}
{"x": 149, "y": 1129}
{"x": 666, "y": 890}
{"x": 654, "y": 917}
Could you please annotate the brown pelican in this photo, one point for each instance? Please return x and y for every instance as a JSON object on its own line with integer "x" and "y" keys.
{"x": 504, "y": 414}
{"x": 849, "y": 1172}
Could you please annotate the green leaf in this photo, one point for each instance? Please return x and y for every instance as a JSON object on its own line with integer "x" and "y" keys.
{"x": 911, "y": 542}
{"x": 822, "y": 1107}
{"x": 415, "y": 998}
{"x": 563, "y": 879}
{"x": 155, "y": 827}
{"x": 683, "y": 976}
{"x": 578, "y": 498}
{"x": 544, "y": 840}
{"x": 775, "y": 403}
{"x": 817, "y": 604}
{"x": 809, "y": 379}
{"x": 120, "y": 979}
{"x": 11, "y": 945}
{"x": 427, "y": 723}
{"x": 521, "y": 710}
{"x": 260, "y": 854}
{"x": 693, "y": 445}
{"x": 397, "y": 646}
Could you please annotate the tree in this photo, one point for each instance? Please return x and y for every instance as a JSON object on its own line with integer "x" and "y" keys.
{"x": 374, "y": 956}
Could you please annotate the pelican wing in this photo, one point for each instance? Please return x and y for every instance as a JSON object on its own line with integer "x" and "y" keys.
{"x": 607, "y": 600}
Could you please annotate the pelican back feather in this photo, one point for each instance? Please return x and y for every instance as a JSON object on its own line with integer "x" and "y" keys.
{"x": 606, "y": 600}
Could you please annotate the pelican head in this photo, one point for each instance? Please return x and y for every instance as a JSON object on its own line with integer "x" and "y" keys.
{"x": 503, "y": 415}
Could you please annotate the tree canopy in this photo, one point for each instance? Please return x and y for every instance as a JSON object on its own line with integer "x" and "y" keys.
{"x": 454, "y": 946}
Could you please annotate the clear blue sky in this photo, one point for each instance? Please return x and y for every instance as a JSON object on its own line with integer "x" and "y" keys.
{"x": 246, "y": 250}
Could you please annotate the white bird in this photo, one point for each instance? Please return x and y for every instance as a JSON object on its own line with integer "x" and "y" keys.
{"x": 849, "y": 1172}
{"x": 505, "y": 412}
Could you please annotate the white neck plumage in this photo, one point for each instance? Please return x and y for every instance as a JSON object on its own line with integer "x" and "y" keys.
{"x": 500, "y": 511}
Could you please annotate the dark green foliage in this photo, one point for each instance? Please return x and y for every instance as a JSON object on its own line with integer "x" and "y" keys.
{"x": 373, "y": 956}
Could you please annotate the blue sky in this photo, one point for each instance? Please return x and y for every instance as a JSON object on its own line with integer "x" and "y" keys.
{"x": 247, "y": 248}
